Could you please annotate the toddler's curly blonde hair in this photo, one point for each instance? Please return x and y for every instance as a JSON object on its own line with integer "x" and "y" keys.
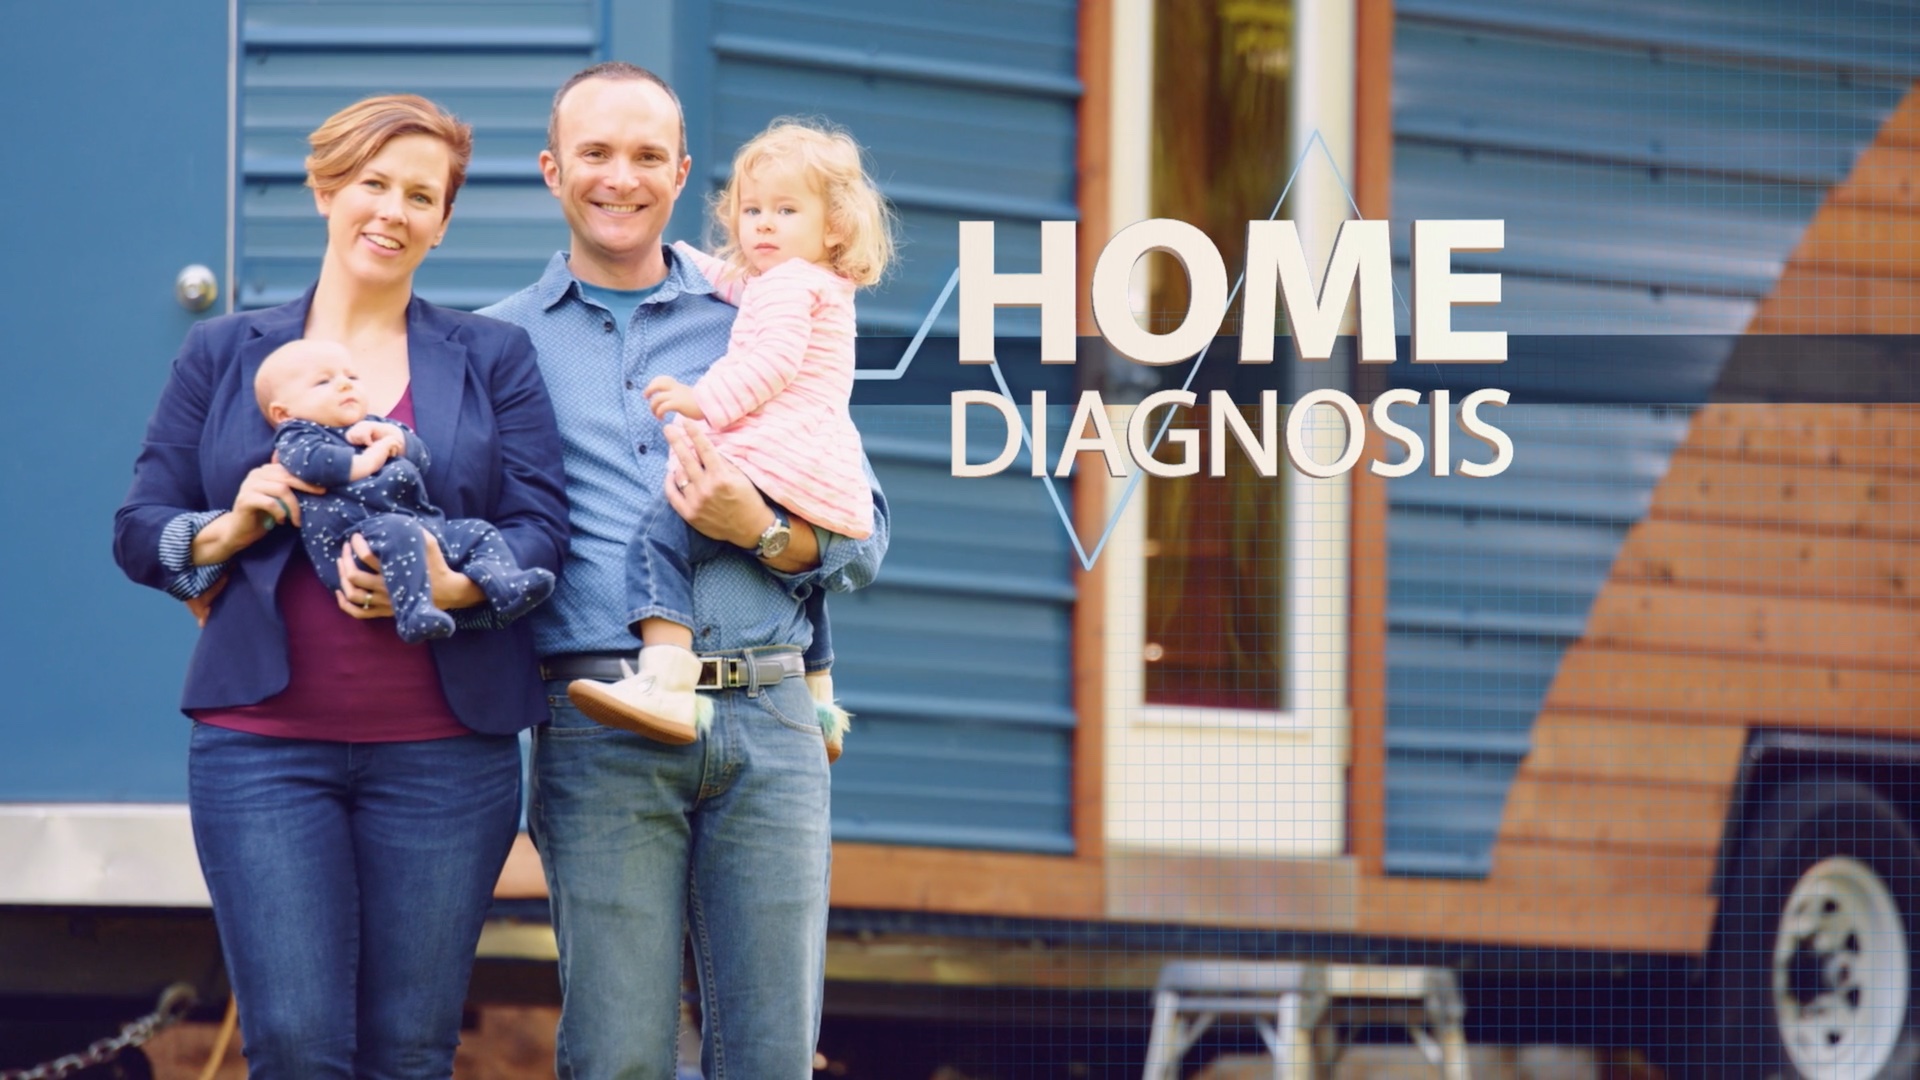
{"x": 828, "y": 158}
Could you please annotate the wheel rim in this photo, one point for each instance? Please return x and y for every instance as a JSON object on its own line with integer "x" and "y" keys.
{"x": 1840, "y": 972}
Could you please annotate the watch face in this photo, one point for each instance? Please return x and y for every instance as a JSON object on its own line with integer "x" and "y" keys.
{"x": 775, "y": 544}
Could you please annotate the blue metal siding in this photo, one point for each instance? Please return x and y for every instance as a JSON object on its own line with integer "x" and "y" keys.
{"x": 1655, "y": 164}
{"x": 495, "y": 66}
{"x": 968, "y": 112}
{"x": 957, "y": 665}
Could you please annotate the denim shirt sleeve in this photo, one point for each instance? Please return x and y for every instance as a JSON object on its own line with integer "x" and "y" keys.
{"x": 846, "y": 564}
{"x": 176, "y": 555}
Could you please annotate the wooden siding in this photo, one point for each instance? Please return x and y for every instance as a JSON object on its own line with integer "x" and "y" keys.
{"x": 1773, "y": 582}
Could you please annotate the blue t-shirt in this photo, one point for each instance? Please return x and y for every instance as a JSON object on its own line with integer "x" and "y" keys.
{"x": 621, "y": 302}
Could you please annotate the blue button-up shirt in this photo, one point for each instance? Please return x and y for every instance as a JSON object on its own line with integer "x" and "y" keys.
{"x": 616, "y": 462}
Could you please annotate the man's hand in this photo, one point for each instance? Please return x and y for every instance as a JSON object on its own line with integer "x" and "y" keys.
{"x": 666, "y": 394}
{"x": 712, "y": 495}
{"x": 719, "y": 501}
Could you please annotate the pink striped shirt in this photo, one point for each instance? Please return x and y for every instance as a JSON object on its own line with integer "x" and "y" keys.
{"x": 776, "y": 403}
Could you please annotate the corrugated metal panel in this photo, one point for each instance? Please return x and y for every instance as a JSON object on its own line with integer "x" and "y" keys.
{"x": 494, "y": 65}
{"x": 958, "y": 663}
{"x": 1655, "y": 165}
{"x": 968, "y": 111}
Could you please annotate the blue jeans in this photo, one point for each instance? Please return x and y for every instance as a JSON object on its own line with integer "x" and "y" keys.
{"x": 726, "y": 838}
{"x": 349, "y": 884}
{"x": 660, "y": 560}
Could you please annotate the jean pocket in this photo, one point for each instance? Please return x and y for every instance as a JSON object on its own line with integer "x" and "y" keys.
{"x": 567, "y": 722}
{"x": 792, "y": 705}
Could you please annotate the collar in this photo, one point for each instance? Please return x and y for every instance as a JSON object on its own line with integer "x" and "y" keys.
{"x": 289, "y": 320}
{"x": 557, "y": 281}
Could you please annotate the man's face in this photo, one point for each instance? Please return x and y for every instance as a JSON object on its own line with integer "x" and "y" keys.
{"x": 616, "y": 169}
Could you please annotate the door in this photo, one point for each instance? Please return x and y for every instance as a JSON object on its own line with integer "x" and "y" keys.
{"x": 117, "y": 178}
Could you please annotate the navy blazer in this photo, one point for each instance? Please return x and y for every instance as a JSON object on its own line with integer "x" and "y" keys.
{"x": 478, "y": 402}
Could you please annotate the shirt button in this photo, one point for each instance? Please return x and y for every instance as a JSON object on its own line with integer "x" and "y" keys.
{"x": 607, "y": 326}
{"x": 629, "y": 384}
{"x": 642, "y": 447}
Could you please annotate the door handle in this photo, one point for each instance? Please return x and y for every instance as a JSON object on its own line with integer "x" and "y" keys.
{"x": 196, "y": 288}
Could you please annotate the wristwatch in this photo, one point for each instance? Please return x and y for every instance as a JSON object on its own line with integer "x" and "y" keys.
{"x": 776, "y": 537}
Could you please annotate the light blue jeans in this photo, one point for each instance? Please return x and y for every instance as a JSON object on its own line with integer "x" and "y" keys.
{"x": 727, "y": 839}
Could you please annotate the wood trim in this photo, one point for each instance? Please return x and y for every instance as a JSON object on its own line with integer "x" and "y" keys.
{"x": 967, "y": 882}
{"x": 1215, "y": 890}
{"x": 1610, "y": 870}
{"x": 1373, "y": 109}
{"x": 1094, "y": 154}
{"x": 1089, "y": 484}
{"x": 1367, "y": 551}
{"x": 1089, "y": 674}
{"x": 1367, "y": 667}
{"x": 1563, "y": 915}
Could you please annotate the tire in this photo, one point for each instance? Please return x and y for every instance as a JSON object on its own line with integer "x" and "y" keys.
{"x": 1811, "y": 973}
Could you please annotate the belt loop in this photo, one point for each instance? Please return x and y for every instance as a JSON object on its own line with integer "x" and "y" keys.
{"x": 751, "y": 663}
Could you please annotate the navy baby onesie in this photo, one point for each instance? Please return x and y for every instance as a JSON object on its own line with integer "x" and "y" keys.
{"x": 390, "y": 508}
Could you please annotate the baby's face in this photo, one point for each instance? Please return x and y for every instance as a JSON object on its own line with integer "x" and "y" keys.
{"x": 320, "y": 385}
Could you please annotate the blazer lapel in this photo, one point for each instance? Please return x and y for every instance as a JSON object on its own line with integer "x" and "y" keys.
{"x": 272, "y": 329}
{"x": 437, "y": 368}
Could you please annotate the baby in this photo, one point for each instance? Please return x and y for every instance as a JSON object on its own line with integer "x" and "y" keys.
{"x": 372, "y": 469}
{"x": 805, "y": 228}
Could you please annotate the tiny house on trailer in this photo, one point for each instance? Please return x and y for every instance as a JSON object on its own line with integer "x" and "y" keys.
{"x": 1646, "y": 697}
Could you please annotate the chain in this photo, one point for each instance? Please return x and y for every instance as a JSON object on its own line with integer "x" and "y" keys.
{"x": 175, "y": 1000}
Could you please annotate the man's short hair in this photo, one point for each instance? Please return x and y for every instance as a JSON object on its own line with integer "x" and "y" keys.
{"x": 611, "y": 69}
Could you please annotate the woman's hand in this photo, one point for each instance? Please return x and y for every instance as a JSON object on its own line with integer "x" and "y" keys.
{"x": 201, "y": 607}
{"x": 269, "y": 496}
{"x": 363, "y": 592}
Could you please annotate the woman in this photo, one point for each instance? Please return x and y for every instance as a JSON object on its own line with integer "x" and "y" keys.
{"x": 353, "y": 798}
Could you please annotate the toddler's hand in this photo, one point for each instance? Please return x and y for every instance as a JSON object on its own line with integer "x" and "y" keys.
{"x": 665, "y": 395}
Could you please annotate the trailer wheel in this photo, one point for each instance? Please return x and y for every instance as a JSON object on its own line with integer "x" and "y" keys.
{"x": 1811, "y": 972}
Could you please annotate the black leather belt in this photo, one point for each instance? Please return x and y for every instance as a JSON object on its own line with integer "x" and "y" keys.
{"x": 752, "y": 670}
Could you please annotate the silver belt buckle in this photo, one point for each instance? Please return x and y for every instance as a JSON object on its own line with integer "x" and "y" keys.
{"x": 713, "y": 673}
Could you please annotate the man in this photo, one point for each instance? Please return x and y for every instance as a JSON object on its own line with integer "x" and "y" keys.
{"x": 728, "y": 836}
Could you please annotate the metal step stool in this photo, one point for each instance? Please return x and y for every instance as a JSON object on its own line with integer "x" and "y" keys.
{"x": 1298, "y": 1008}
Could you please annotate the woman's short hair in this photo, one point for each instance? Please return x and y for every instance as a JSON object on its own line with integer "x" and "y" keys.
{"x": 347, "y": 140}
{"x": 829, "y": 160}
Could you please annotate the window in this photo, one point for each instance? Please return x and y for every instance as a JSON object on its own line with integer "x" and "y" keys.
{"x": 1216, "y": 547}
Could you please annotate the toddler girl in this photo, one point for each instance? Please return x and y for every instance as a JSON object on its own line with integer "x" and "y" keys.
{"x": 805, "y": 227}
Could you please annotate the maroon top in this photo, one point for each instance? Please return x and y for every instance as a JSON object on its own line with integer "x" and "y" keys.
{"x": 349, "y": 680}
